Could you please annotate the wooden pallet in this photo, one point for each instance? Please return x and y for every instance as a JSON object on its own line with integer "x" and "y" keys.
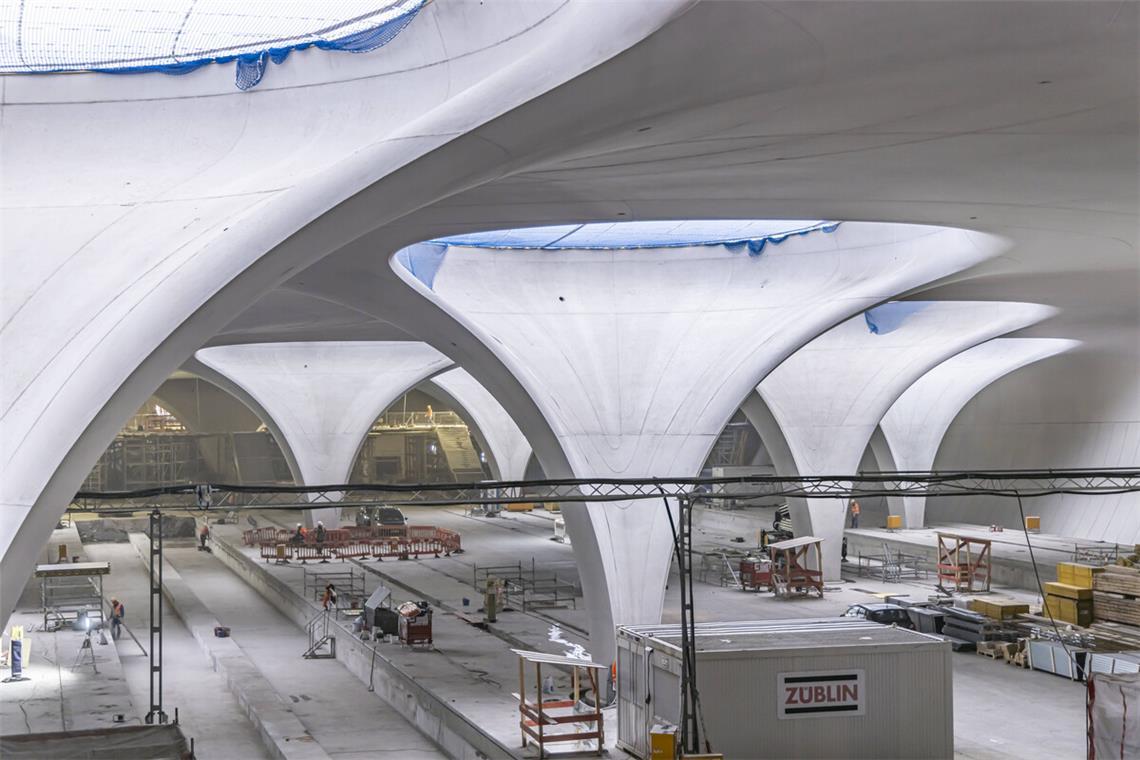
{"x": 991, "y": 649}
{"x": 1020, "y": 660}
{"x": 1116, "y": 608}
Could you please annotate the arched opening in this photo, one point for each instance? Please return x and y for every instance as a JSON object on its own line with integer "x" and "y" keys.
{"x": 189, "y": 431}
{"x": 420, "y": 438}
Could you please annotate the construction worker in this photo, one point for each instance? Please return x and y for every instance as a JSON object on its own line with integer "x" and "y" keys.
{"x": 321, "y": 533}
{"x": 328, "y": 599}
{"x": 117, "y": 613}
{"x": 298, "y": 536}
{"x": 854, "y": 514}
{"x": 203, "y": 537}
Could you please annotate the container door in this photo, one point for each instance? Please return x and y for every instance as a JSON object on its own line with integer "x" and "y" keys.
{"x": 633, "y": 728}
{"x": 666, "y": 693}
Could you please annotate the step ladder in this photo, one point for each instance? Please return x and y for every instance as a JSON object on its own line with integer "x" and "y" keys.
{"x": 322, "y": 644}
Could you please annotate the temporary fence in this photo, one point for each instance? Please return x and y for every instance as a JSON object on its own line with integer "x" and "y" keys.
{"x": 377, "y": 542}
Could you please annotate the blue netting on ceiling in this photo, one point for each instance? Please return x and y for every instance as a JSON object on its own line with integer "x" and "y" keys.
{"x": 734, "y": 234}
{"x": 179, "y": 36}
{"x": 888, "y": 317}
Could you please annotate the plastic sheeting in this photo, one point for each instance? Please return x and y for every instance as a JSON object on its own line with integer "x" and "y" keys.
{"x": 889, "y": 317}
{"x": 1114, "y": 716}
{"x": 753, "y": 235}
{"x": 150, "y": 742}
{"x": 180, "y": 36}
{"x": 422, "y": 260}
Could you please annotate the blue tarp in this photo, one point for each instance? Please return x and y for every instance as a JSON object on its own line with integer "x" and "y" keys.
{"x": 116, "y": 42}
{"x": 887, "y": 318}
{"x": 733, "y": 234}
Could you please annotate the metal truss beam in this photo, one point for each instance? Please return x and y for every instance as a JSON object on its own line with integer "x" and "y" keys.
{"x": 1007, "y": 483}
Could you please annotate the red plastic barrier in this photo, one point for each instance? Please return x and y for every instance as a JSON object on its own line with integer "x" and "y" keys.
{"x": 257, "y": 536}
{"x": 307, "y": 552}
{"x": 352, "y": 549}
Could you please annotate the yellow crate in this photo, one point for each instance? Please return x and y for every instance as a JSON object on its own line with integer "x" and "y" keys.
{"x": 894, "y": 522}
{"x": 663, "y": 743}
{"x": 1076, "y": 574}
{"x": 998, "y": 609}
{"x": 1006, "y": 609}
{"x": 522, "y": 507}
{"x": 1072, "y": 611}
{"x": 1065, "y": 573}
{"x": 1068, "y": 591}
{"x": 1032, "y": 522}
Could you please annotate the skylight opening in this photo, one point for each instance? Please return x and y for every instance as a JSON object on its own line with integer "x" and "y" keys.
{"x": 178, "y": 36}
{"x": 628, "y": 235}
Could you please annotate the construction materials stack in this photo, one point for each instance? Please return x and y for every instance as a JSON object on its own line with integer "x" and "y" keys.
{"x": 1116, "y": 595}
{"x": 967, "y": 629}
{"x": 1002, "y": 610}
{"x": 1070, "y": 598}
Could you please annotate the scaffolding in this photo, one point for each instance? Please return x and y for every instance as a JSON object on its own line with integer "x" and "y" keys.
{"x": 963, "y": 563}
{"x": 70, "y": 590}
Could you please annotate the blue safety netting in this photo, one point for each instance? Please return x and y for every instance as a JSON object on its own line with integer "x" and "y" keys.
{"x": 180, "y": 36}
{"x": 423, "y": 260}
{"x": 753, "y": 236}
{"x": 890, "y": 316}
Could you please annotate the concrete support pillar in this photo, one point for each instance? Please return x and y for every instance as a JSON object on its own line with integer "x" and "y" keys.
{"x": 828, "y": 397}
{"x": 637, "y": 359}
{"x": 321, "y": 399}
{"x": 914, "y": 426}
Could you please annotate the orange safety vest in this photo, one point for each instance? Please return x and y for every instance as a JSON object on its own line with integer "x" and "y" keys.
{"x": 854, "y": 507}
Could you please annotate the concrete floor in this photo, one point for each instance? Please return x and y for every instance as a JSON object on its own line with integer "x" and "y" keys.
{"x": 336, "y": 708}
{"x": 61, "y": 696}
{"x": 1000, "y": 712}
{"x": 206, "y": 709}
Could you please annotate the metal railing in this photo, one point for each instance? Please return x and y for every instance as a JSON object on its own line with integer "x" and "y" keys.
{"x": 528, "y": 588}
{"x": 319, "y": 636}
{"x": 1096, "y": 555}
{"x": 893, "y": 565}
{"x": 390, "y": 420}
{"x": 349, "y": 583}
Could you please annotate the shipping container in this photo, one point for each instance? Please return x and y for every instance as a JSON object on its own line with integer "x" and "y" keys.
{"x": 793, "y": 688}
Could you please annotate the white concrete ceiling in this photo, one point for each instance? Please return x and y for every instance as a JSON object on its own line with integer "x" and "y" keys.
{"x": 142, "y": 214}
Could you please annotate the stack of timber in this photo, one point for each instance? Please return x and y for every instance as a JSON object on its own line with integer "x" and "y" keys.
{"x": 1123, "y": 638}
{"x": 1116, "y": 595}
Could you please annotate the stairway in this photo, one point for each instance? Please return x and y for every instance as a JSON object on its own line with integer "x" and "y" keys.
{"x": 455, "y": 441}
{"x": 322, "y": 644}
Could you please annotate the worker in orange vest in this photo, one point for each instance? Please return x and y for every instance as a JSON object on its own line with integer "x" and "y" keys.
{"x": 854, "y": 514}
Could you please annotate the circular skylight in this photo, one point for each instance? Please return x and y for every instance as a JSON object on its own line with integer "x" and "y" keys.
{"x": 619, "y": 235}
{"x": 177, "y": 35}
